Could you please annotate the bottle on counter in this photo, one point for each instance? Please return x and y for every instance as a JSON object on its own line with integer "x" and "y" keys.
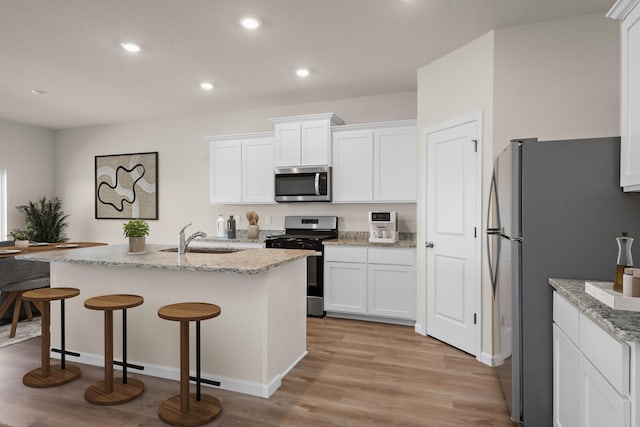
{"x": 221, "y": 227}
{"x": 231, "y": 228}
{"x": 624, "y": 259}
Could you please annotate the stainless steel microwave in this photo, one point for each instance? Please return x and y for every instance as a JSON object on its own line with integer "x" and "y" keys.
{"x": 303, "y": 184}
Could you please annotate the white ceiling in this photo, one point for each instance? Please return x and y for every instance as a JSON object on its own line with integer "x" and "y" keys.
{"x": 70, "y": 48}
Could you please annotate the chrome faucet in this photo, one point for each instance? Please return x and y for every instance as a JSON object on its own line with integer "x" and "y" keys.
{"x": 182, "y": 246}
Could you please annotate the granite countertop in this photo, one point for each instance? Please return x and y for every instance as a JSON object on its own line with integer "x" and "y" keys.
{"x": 623, "y": 324}
{"x": 241, "y": 237}
{"x": 247, "y": 261}
{"x": 361, "y": 238}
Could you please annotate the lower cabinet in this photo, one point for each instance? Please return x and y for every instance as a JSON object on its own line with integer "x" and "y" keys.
{"x": 590, "y": 372}
{"x": 376, "y": 282}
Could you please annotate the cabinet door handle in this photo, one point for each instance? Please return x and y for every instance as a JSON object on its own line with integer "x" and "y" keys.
{"x": 429, "y": 245}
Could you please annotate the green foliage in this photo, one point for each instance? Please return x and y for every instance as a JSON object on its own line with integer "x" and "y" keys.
{"x": 136, "y": 228}
{"x": 46, "y": 219}
{"x": 24, "y": 234}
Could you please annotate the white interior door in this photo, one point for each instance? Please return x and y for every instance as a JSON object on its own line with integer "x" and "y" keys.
{"x": 452, "y": 233}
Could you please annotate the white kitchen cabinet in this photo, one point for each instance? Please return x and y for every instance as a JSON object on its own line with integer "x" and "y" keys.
{"x": 241, "y": 169}
{"x": 628, "y": 12}
{"x": 394, "y": 167}
{"x": 600, "y": 404}
{"x": 375, "y": 162}
{"x": 376, "y": 282}
{"x": 225, "y": 158}
{"x": 304, "y": 140}
{"x": 257, "y": 170}
{"x": 591, "y": 371}
{"x": 345, "y": 279}
{"x": 566, "y": 375}
{"x": 353, "y": 166}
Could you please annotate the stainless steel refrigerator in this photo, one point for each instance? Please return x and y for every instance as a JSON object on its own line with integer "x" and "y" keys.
{"x": 555, "y": 210}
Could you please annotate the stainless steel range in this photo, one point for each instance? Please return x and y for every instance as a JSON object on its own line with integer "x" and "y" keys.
{"x": 308, "y": 232}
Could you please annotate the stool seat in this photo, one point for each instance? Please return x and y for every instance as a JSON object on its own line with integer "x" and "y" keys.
{"x": 189, "y": 409}
{"x": 121, "y": 390}
{"x": 113, "y": 302}
{"x": 47, "y": 375}
{"x": 189, "y": 311}
{"x": 50, "y": 294}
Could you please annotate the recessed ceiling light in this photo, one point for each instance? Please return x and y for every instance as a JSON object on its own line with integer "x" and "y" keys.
{"x": 250, "y": 23}
{"x": 302, "y": 72}
{"x": 130, "y": 47}
{"x": 39, "y": 92}
{"x": 206, "y": 86}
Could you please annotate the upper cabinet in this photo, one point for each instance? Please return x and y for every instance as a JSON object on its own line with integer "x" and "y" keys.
{"x": 628, "y": 12}
{"x": 241, "y": 169}
{"x": 375, "y": 162}
{"x": 304, "y": 140}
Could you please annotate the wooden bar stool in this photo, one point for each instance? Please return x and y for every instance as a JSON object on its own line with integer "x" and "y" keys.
{"x": 189, "y": 409}
{"x": 47, "y": 375}
{"x": 110, "y": 392}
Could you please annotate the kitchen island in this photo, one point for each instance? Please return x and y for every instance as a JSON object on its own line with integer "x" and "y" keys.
{"x": 258, "y": 338}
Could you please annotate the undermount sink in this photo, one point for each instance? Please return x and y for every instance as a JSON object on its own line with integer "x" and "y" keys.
{"x": 205, "y": 250}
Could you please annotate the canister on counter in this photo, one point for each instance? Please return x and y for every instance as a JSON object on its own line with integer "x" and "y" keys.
{"x": 635, "y": 285}
{"x": 631, "y": 282}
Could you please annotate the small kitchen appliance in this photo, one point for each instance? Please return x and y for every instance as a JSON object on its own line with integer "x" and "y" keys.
{"x": 308, "y": 232}
{"x": 303, "y": 184}
{"x": 383, "y": 227}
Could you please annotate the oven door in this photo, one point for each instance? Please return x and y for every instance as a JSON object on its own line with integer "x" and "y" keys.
{"x": 303, "y": 184}
{"x": 315, "y": 285}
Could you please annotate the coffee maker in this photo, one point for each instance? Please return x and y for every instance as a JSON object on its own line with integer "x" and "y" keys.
{"x": 383, "y": 227}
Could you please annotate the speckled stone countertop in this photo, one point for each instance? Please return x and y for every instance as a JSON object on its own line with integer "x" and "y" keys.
{"x": 625, "y": 325}
{"x": 241, "y": 237}
{"x": 247, "y": 261}
{"x": 361, "y": 238}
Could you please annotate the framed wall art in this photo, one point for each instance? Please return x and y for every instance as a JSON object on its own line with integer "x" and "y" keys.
{"x": 127, "y": 186}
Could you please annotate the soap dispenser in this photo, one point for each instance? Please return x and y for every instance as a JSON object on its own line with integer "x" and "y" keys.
{"x": 221, "y": 227}
{"x": 231, "y": 228}
{"x": 624, "y": 259}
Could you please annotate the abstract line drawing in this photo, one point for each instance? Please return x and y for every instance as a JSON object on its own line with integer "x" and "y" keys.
{"x": 126, "y": 186}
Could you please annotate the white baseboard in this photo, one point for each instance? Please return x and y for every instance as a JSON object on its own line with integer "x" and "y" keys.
{"x": 369, "y": 318}
{"x": 420, "y": 329}
{"x": 490, "y": 360}
{"x": 226, "y": 383}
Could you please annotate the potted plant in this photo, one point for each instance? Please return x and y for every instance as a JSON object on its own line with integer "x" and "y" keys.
{"x": 21, "y": 237}
{"x": 46, "y": 219}
{"x": 136, "y": 230}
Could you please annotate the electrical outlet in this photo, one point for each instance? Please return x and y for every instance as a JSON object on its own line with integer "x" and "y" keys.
{"x": 267, "y": 219}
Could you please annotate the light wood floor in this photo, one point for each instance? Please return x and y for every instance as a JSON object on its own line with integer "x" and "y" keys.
{"x": 356, "y": 374}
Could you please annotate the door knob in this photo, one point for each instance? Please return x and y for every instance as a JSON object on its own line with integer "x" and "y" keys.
{"x": 429, "y": 244}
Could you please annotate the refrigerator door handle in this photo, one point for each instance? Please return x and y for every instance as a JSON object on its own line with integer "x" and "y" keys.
{"x": 493, "y": 199}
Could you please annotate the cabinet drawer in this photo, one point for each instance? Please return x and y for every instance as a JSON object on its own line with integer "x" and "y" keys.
{"x": 345, "y": 253}
{"x": 567, "y": 317}
{"x": 608, "y": 355}
{"x": 394, "y": 256}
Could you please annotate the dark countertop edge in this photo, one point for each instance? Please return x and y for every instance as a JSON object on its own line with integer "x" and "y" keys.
{"x": 622, "y": 324}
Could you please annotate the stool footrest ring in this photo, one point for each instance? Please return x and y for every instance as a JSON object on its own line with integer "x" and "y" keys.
{"x": 129, "y": 365}
{"x": 67, "y": 352}
{"x": 205, "y": 381}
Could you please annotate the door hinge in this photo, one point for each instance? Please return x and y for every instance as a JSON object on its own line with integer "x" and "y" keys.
{"x": 475, "y": 318}
{"x": 475, "y": 232}
{"x": 475, "y": 145}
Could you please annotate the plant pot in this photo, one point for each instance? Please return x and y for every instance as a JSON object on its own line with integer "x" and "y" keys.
{"x": 136, "y": 245}
{"x": 22, "y": 244}
{"x": 253, "y": 231}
